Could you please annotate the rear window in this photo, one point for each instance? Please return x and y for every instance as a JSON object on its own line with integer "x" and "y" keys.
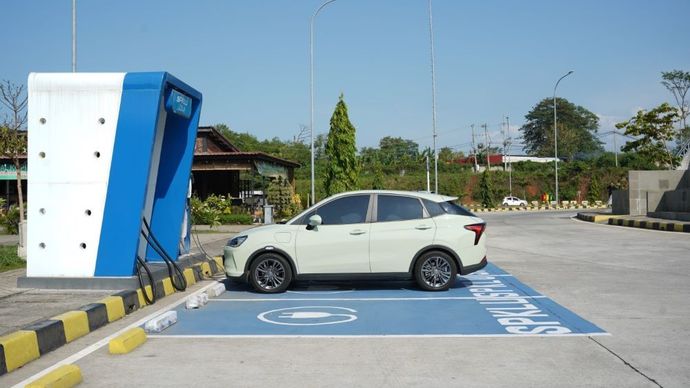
{"x": 453, "y": 208}
{"x": 433, "y": 208}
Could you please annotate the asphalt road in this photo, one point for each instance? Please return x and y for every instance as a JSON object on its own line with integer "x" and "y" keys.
{"x": 633, "y": 283}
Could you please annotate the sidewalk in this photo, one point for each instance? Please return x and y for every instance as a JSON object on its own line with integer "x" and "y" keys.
{"x": 22, "y": 306}
{"x": 9, "y": 239}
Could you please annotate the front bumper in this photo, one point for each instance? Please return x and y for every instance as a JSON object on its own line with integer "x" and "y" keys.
{"x": 233, "y": 269}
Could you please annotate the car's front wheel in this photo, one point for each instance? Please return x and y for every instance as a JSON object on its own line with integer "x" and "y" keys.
{"x": 435, "y": 271}
{"x": 270, "y": 273}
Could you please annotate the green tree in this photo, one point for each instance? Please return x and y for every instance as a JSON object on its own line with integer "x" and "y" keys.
{"x": 398, "y": 153}
{"x": 243, "y": 141}
{"x": 378, "y": 182}
{"x": 655, "y": 130}
{"x": 577, "y": 127}
{"x": 342, "y": 170}
{"x": 13, "y": 140}
{"x": 280, "y": 195}
{"x": 678, "y": 83}
{"x": 486, "y": 192}
{"x": 594, "y": 192}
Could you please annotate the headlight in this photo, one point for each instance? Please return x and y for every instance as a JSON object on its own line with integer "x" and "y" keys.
{"x": 237, "y": 241}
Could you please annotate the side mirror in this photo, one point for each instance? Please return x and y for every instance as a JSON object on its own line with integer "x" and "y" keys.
{"x": 314, "y": 221}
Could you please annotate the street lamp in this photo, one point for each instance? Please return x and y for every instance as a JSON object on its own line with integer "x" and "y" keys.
{"x": 74, "y": 36}
{"x": 555, "y": 132}
{"x": 311, "y": 89}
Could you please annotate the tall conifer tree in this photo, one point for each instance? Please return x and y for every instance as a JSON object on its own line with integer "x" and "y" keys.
{"x": 342, "y": 168}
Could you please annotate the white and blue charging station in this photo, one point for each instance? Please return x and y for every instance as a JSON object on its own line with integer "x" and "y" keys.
{"x": 105, "y": 151}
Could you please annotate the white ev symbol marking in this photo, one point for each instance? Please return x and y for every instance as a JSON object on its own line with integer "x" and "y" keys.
{"x": 309, "y": 316}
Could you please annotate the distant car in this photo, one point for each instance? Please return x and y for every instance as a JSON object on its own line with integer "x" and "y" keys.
{"x": 363, "y": 234}
{"x": 514, "y": 201}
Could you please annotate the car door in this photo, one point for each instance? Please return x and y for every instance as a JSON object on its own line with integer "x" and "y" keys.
{"x": 341, "y": 243}
{"x": 401, "y": 229}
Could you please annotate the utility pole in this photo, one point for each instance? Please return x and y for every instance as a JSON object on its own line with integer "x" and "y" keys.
{"x": 615, "y": 148}
{"x": 428, "y": 184}
{"x": 488, "y": 147}
{"x": 505, "y": 144}
{"x": 510, "y": 163}
{"x": 474, "y": 150}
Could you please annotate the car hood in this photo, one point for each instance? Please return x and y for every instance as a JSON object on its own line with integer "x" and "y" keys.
{"x": 267, "y": 229}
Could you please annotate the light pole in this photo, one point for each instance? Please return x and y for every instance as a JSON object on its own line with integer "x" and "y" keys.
{"x": 555, "y": 132}
{"x": 433, "y": 98}
{"x": 74, "y": 36}
{"x": 510, "y": 160}
{"x": 311, "y": 89}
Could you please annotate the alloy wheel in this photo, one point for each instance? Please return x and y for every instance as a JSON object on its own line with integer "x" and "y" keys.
{"x": 269, "y": 274}
{"x": 436, "y": 271}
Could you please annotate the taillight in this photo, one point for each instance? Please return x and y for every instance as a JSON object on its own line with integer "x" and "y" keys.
{"x": 478, "y": 229}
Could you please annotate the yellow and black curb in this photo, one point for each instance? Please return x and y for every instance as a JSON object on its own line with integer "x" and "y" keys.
{"x": 621, "y": 221}
{"x": 534, "y": 208}
{"x": 655, "y": 225}
{"x": 596, "y": 218}
{"x": 39, "y": 338}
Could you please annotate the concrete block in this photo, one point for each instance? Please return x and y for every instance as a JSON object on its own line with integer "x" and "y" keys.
{"x": 63, "y": 377}
{"x": 127, "y": 341}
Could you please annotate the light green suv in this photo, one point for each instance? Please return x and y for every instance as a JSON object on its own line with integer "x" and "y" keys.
{"x": 363, "y": 234}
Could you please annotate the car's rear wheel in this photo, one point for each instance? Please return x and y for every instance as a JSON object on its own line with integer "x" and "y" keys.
{"x": 435, "y": 271}
{"x": 270, "y": 273}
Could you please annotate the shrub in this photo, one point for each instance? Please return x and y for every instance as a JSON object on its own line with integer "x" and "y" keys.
{"x": 235, "y": 219}
{"x": 10, "y": 220}
{"x": 203, "y": 214}
{"x": 219, "y": 203}
{"x": 486, "y": 192}
{"x": 282, "y": 195}
{"x": 9, "y": 259}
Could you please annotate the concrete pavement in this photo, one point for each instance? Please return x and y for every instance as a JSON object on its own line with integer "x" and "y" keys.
{"x": 631, "y": 282}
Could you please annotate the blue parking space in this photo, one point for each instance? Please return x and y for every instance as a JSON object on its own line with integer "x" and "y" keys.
{"x": 487, "y": 303}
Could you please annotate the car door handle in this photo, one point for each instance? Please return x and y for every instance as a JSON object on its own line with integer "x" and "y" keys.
{"x": 422, "y": 227}
{"x": 357, "y": 232}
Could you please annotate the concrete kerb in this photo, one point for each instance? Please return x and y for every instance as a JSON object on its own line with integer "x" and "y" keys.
{"x": 536, "y": 208}
{"x": 31, "y": 342}
{"x": 619, "y": 220}
{"x": 654, "y": 225}
{"x": 595, "y": 217}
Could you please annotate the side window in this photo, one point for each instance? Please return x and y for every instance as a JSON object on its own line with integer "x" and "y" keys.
{"x": 433, "y": 208}
{"x": 305, "y": 218}
{"x": 396, "y": 208}
{"x": 347, "y": 210}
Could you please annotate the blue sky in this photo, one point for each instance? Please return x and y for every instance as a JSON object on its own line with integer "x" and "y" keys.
{"x": 250, "y": 59}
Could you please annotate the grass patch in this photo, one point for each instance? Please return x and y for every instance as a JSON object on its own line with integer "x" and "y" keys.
{"x": 9, "y": 259}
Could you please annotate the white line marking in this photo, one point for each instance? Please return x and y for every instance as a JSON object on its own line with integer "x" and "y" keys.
{"x": 92, "y": 348}
{"x": 483, "y": 276}
{"x": 373, "y": 299}
{"x": 231, "y": 336}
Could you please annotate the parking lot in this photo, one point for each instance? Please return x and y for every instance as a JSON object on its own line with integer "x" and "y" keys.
{"x": 487, "y": 303}
{"x": 621, "y": 293}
